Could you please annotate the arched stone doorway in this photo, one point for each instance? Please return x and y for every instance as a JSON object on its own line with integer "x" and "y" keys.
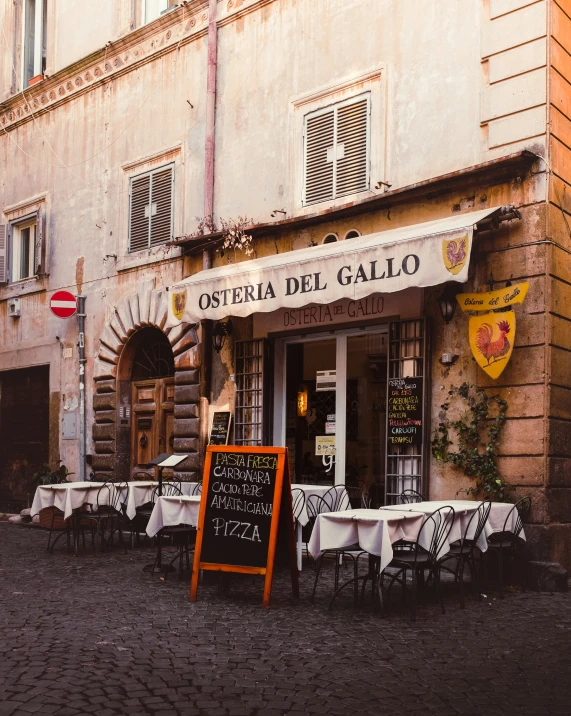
{"x": 145, "y": 372}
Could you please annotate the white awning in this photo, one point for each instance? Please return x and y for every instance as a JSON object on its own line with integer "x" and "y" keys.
{"x": 425, "y": 254}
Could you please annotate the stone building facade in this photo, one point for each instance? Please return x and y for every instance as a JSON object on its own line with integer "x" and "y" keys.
{"x": 425, "y": 119}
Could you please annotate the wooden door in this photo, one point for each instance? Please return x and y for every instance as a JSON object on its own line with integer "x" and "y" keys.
{"x": 153, "y": 420}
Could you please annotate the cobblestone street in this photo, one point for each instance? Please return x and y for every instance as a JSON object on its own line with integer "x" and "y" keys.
{"x": 95, "y": 634}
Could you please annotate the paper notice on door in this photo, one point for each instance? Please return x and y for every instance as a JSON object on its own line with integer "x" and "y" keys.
{"x": 325, "y": 380}
{"x": 325, "y": 445}
{"x": 330, "y": 428}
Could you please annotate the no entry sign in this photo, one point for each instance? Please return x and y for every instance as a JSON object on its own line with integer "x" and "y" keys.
{"x": 63, "y": 304}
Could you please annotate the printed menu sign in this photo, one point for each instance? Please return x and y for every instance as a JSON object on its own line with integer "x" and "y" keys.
{"x": 404, "y": 414}
{"x": 220, "y": 428}
{"x": 246, "y": 500}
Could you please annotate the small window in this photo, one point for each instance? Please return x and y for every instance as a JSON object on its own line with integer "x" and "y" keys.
{"x": 23, "y": 251}
{"x": 353, "y": 234}
{"x": 151, "y": 9}
{"x": 330, "y": 239}
{"x": 151, "y": 208}
{"x": 33, "y": 39}
{"x": 336, "y": 150}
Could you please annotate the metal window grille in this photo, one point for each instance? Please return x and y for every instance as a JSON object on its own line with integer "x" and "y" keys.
{"x": 407, "y": 359}
{"x": 151, "y": 208}
{"x": 336, "y": 150}
{"x": 248, "y": 407}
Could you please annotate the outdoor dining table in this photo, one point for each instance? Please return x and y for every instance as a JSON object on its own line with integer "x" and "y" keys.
{"x": 311, "y": 492}
{"x": 140, "y": 492}
{"x": 172, "y": 511}
{"x": 68, "y": 497}
{"x": 463, "y": 512}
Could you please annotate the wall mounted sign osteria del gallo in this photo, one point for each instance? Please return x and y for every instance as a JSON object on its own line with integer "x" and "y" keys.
{"x": 492, "y": 330}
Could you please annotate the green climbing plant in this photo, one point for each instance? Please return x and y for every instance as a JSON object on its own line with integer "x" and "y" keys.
{"x": 477, "y": 433}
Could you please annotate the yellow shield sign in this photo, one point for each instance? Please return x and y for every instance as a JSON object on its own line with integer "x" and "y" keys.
{"x": 455, "y": 253}
{"x": 492, "y": 338}
{"x": 179, "y": 304}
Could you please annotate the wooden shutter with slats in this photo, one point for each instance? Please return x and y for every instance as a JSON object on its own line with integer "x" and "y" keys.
{"x": 336, "y": 151}
{"x": 161, "y": 203}
{"x": 139, "y": 213}
{"x": 3, "y": 253}
{"x": 319, "y": 138}
{"x": 353, "y": 134}
{"x": 40, "y": 248}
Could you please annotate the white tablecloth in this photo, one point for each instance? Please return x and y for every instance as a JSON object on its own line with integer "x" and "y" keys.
{"x": 139, "y": 492}
{"x": 68, "y": 496}
{"x": 312, "y": 491}
{"x": 374, "y": 531}
{"x": 172, "y": 511}
{"x": 464, "y": 509}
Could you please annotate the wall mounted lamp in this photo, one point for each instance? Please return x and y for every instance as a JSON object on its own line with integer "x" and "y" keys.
{"x": 219, "y": 333}
{"x": 302, "y": 398}
{"x": 447, "y": 302}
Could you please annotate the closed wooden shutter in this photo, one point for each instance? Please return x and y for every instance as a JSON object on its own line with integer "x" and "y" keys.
{"x": 319, "y": 138}
{"x": 139, "y": 213}
{"x": 161, "y": 201}
{"x": 40, "y": 247}
{"x": 3, "y": 252}
{"x": 353, "y": 134}
{"x": 336, "y": 151}
{"x": 151, "y": 209}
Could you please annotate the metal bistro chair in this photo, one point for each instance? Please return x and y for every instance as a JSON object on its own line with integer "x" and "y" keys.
{"x": 197, "y": 489}
{"x": 464, "y": 551}
{"x": 508, "y": 542}
{"x": 354, "y": 552}
{"x": 298, "y": 503}
{"x": 109, "y": 513}
{"x": 435, "y": 530}
{"x": 78, "y": 523}
{"x": 337, "y": 499}
{"x": 180, "y": 535}
{"x": 313, "y": 505}
{"x": 410, "y": 497}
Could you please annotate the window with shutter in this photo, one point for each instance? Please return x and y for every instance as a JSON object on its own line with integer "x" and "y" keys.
{"x": 336, "y": 151}
{"x": 151, "y": 209}
{"x": 3, "y": 242}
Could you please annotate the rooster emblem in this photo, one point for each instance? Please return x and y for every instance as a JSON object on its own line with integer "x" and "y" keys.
{"x": 178, "y": 304}
{"x": 489, "y": 348}
{"x": 455, "y": 253}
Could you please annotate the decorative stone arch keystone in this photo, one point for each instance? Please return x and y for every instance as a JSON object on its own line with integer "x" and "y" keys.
{"x": 146, "y": 308}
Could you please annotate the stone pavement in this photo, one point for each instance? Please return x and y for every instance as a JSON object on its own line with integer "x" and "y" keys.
{"x": 97, "y": 635}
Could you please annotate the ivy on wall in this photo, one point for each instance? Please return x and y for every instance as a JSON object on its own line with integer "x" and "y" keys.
{"x": 476, "y": 432}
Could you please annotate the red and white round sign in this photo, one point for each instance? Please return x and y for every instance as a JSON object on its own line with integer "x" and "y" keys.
{"x": 63, "y": 304}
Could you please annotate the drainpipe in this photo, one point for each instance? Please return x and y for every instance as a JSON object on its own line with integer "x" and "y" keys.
{"x": 209, "y": 146}
{"x": 82, "y": 362}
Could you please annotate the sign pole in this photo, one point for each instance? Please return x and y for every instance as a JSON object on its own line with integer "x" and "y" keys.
{"x": 82, "y": 362}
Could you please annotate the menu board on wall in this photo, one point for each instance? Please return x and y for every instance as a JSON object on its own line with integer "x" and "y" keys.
{"x": 220, "y": 428}
{"x": 244, "y": 510}
{"x": 404, "y": 415}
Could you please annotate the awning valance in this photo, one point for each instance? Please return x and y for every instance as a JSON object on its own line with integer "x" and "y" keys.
{"x": 425, "y": 254}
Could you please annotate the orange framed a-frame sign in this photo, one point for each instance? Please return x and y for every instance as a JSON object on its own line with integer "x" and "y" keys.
{"x": 245, "y": 513}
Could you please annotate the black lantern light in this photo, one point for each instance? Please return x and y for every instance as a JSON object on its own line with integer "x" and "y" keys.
{"x": 447, "y": 302}
{"x": 219, "y": 333}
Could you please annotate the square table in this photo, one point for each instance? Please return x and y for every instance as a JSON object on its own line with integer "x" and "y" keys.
{"x": 172, "y": 511}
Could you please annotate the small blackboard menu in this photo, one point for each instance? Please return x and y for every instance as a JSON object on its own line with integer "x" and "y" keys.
{"x": 245, "y": 492}
{"x": 220, "y": 428}
{"x": 404, "y": 414}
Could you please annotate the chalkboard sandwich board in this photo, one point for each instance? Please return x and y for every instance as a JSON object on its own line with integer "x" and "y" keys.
{"x": 245, "y": 509}
{"x": 220, "y": 428}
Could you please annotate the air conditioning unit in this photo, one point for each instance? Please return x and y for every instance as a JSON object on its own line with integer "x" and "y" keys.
{"x": 14, "y": 307}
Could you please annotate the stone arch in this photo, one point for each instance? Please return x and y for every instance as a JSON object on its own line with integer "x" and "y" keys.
{"x": 145, "y": 308}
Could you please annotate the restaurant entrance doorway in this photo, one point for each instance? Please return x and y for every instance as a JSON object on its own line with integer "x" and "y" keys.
{"x": 333, "y": 404}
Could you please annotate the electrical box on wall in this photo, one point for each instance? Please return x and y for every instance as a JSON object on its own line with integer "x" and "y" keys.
{"x": 14, "y": 307}
{"x": 69, "y": 426}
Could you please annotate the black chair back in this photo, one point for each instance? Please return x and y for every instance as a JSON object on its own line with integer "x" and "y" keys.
{"x": 409, "y": 497}
{"x": 437, "y": 526}
{"x": 337, "y": 499}
{"x": 476, "y": 525}
{"x": 109, "y": 497}
{"x": 521, "y": 509}
{"x": 197, "y": 489}
{"x": 170, "y": 489}
{"x": 298, "y": 502}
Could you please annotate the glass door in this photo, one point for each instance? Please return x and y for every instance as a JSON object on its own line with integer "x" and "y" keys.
{"x": 330, "y": 409}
